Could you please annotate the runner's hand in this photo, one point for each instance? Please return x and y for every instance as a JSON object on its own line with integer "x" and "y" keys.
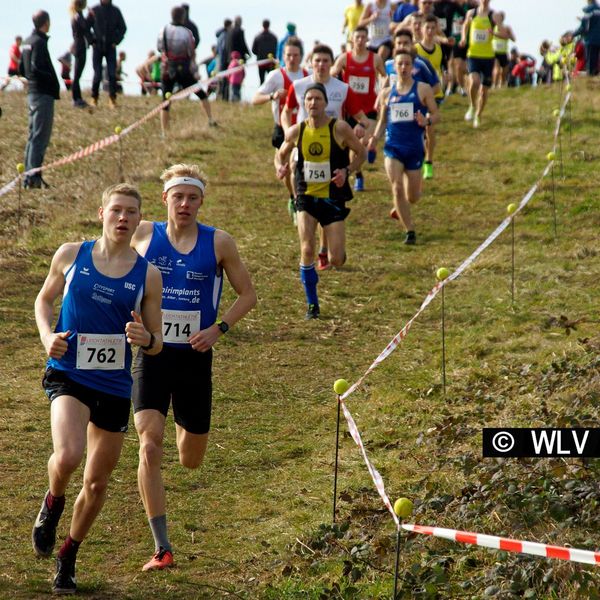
{"x": 339, "y": 177}
{"x": 136, "y": 332}
{"x": 205, "y": 339}
{"x": 420, "y": 119}
{"x": 56, "y": 344}
{"x": 283, "y": 170}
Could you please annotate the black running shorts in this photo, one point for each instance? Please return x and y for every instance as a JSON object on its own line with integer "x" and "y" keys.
{"x": 107, "y": 411}
{"x": 178, "y": 376}
{"x": 325, "y": 210}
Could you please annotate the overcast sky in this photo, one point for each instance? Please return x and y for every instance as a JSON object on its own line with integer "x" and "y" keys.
{"x": 532, "y": 21}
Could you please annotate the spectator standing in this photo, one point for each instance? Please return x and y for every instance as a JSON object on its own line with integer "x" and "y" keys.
{"x": 236, "y": 78}
{"x": 291, "y": 32}
{"x": 264, "y": 44}
{"x": 43, "y": 90}
{"x": 223, "y": 57}
{"x": 191, "y": 25}
{"x": 14, "y": 55}
{"x": 66, "y": 61}
{"x": 82, "y": 38}
{"x": 109, "y": 29}
{"x": 236, "y": 40}
{"x": 590, "y": 31}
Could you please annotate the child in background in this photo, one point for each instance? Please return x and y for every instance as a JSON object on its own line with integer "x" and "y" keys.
{"x": 236, "y": 78}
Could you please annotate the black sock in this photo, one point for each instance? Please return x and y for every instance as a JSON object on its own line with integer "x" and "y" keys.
{"x": 428, "y": 162}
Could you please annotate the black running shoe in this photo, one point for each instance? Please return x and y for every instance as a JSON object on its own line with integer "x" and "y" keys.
{"x": 312, "y": 312}
{"x": 43, "y": 535}
{"x": 411, "y": 238}
{"x": 64, "y": 580}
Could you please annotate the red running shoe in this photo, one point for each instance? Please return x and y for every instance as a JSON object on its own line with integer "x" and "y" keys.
{"x": 323, "y": 263}
{"x": 163, "y": 559}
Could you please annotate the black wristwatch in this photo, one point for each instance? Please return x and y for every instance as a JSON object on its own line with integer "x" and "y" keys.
{"x": 223, "y": 326}
{"x": 150, "y": 343}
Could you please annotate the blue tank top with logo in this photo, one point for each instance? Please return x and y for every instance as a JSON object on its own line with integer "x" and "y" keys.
{"x": 95, "y": 309}
{"x": 402, "y": 130}
{"x": 192, "y": 284}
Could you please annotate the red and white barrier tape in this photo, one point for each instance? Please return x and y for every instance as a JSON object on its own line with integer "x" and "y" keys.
{"x": 377, "y": 479}
{"x": 395, "y": 342}
{"x": 498, "y": 543}
{"x": 111, "y": 139}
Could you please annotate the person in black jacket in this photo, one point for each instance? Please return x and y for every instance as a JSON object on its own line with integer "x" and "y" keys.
{"x": 264, "y": 44}
{"x": 109, "y": 30}
{"x": 43, "y": 89}
{"x": 191, "y": 25}
{"x": 82, "y": 38}
{"x": 236, "y": 40}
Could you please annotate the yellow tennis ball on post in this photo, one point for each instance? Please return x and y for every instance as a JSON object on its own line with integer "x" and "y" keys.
{"x": 168, "y": 95}
{"x": 511, "y": 208}
{"x": 270, "y": 55}
{"x": 442, "y": 273}
{"x": 340, "y": 386}
{"x": 20, "y": 168}
{"x": 118, "y": 129}
{"x": 556, "y": 112}
{"x": 403, "y": 508}
{"x": 551, "y": 156}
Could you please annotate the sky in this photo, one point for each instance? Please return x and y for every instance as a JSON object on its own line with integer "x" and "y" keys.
{"x": 531, "y": 20}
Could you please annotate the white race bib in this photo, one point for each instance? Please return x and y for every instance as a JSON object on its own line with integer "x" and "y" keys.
{"x": 105, "y": 351}
{"x": 360, "y": 85}
{"x": 317, "y": 172}
{"x": 457, "y": 28}
{"x": 179, "y": 325}
{"x": 481, "y": 36}
{"x": 402, "y": 112}
{"x": 443, "y": 24}
{"x": 379, "y": 32}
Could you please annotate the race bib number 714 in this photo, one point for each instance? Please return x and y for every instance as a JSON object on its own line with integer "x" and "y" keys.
{"x": 179, "y": 325}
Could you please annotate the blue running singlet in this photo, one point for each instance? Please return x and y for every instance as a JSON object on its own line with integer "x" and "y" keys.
{"x": 95, "y": 309}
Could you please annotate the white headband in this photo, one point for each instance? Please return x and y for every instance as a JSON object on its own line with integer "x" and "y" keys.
{"x": 183, "y": 181}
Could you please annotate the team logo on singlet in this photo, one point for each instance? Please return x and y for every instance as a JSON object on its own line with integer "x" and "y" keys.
{"x": 84, "y": 271}
{"x": 335, "y": 96}
{"x": 315, "y": 149}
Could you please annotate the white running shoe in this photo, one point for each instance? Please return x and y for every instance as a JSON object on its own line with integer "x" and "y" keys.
{"x": 469, "y": 114}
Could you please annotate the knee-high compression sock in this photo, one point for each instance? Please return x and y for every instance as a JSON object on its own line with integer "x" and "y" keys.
{"x": 309, "y": 279}
{"x": 158, "y": 525}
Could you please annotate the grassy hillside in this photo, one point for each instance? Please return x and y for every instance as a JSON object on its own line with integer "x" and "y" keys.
{"x": 255, "y": 520}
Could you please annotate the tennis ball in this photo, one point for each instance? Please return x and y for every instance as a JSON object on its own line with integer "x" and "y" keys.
{"x": 568, "y": 87}
{"x": 270, "y": 55}
{"x": 20, "y": 168}
{"x": 551, "y": 156}
{"x": 340, "y": 386}
{"x": 403, "y": 508}
{"x": 511, "y": 208}
{"x": 118, "y": 129}
{"x": 441, "y": 274}
{"x": 168, "y": 95}
{"x": 556, "y": 112}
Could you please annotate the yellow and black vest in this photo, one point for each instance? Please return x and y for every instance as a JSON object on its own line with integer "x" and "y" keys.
{"x": 319, "y": 155}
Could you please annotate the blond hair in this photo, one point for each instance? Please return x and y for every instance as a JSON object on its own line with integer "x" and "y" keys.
{"x": 77, "y": 6}
{"x": 123, "y": 189}
{"x": 183, "y": 170}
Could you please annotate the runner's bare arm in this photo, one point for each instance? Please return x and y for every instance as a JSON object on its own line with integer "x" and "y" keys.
{"x": 433, "y": 114}
{"x": 148, "y": 325}
{"x": 345, "y": 135}
{"x": 339, "y": 65}
{"x": 282, "y": 156}
{"x": 142, "y": 236}
{"x": 381, "y": 104}
{"x": 237, "y": 274}
{"x": 55, "y": 344}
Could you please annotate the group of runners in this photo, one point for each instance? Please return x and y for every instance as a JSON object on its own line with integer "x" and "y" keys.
{"x": 158, "y": 285}
{"x": 389, "y": 84}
